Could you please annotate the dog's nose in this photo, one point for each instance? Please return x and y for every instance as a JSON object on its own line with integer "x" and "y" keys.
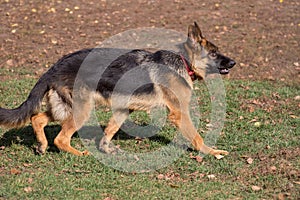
{"x": 232, "y": 63}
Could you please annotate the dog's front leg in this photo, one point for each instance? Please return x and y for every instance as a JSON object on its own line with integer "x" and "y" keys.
{"x": 185, "y": 125}
{"x": 113, "y": 126}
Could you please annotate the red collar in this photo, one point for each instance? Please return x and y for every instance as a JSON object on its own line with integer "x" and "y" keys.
{"x": 190, "y": 72}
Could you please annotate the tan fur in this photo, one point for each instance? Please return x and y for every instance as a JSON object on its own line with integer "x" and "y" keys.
{"x": 177, "y": 99}
{"x": 39, "y": 122}
{"x": 63, "y": 139}
{"x": 59, "y": 109}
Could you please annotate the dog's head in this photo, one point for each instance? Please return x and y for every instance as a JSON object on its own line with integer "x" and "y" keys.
{"x": 204, "y": 55}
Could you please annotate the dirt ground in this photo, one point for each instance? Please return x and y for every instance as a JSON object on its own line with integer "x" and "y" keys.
{"x": 263, "y": 36}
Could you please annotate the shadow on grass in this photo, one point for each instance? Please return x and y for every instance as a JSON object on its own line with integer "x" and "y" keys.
{"x": 26, "y": 137}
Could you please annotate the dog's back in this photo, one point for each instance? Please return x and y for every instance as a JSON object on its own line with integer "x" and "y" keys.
{"x": 137, "y": 78}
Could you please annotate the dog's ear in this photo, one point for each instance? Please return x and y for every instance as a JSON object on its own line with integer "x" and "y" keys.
{"x": 199, "y": 32}
{"x": 195, "y": 34}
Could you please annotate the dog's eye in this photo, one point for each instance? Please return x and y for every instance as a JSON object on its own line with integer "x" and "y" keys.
{"x": 213, "y": 54}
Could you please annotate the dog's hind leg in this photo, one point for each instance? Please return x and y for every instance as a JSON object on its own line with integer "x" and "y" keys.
{"x": 63, "y": 139}
{"x": 112, "y": 128}
{"x": 73, "y": 122}
{"x": 39, "y": 121}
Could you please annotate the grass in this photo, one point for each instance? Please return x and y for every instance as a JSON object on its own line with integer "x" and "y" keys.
{"x": 262, "y": 125}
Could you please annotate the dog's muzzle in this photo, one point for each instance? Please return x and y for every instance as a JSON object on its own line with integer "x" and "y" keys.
{"x": 227, "y": 68}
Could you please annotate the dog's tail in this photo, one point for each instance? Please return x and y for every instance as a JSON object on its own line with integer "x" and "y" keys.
{"x": 18, "y": 117}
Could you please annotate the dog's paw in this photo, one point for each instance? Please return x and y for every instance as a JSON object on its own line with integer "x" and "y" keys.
{"x": 104, "y": 149}
{"x": 219, "y": 154}
{"x": 104, "y": 145}
{"x": 41, "y": 149}
{"x": 110, "y": 149}
{"x": 107, "y": 147}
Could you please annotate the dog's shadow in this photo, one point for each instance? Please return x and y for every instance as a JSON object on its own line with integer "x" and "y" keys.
{"x": 25, "y": 136}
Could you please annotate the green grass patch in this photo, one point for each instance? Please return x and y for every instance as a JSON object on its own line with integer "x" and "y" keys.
{"x": 261, "y": 131}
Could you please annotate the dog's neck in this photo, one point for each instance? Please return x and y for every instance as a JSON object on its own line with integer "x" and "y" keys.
{"x": 188, "y": 53}
{"x": 188, "y": 67}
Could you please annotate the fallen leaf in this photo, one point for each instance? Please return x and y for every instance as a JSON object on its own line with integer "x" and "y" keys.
{"x": 160, "y": 176}
{"x": 257, "y": 124}
{"x": 197, "y": 158}
{"x": 30, "y": 180}
{"x": 53, "y": 41}
{"x": 27, "y": 165}
{"x": 297, "y": 182}
{"x": 15, "y": 171}
{"x": 80, "y": 189}
{"x": 281, "y": 196}
{"x": 28, "y": 189}
{"x": 108, "y": 198}
{"x": 273, "y": 168}
{"x": 211, "y": 176}
{"x": 294, "y": 116}
{"x": 293, "y": 172}
{"x": 255, "y": 188}
{"x": 250, "y": 161}
{"x": 253, "y": 120}
{"x": 219, "y": 157}
{"x": 136, "y": 157}
{"x": 256, "y": 102}
{"x": 53, "y": 10}
{"x": 243, "y": 64}
{"x": 174, "y": 186}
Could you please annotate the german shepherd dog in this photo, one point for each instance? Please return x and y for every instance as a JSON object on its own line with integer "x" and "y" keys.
{"x": 169, "y": 77}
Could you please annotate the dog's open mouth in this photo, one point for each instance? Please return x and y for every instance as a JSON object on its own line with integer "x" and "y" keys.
{"x": 224, "y": 70}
